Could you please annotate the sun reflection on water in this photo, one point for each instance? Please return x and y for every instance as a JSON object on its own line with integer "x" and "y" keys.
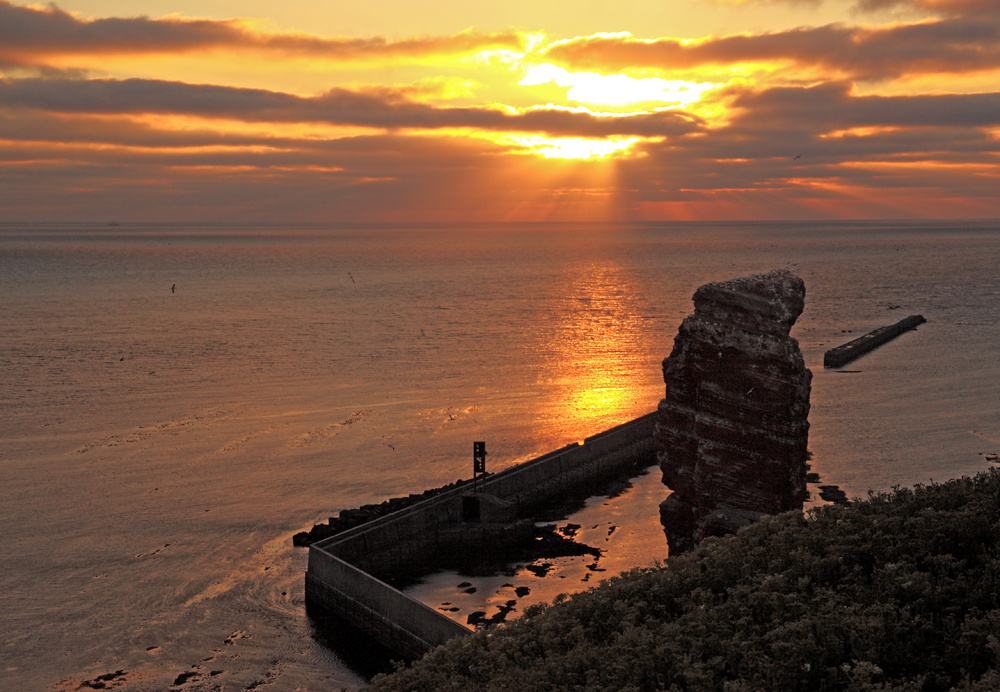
{"x": 596, "y": 342}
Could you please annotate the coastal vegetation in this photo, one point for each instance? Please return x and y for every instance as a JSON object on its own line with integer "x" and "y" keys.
{"x": 897, "y": 592}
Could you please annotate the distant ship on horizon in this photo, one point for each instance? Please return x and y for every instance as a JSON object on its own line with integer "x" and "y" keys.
{"x": 113, "y": 223}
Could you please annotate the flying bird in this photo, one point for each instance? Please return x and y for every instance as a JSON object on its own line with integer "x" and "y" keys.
{"x": 352, "y": 278}
{"x": 797, "y": 157}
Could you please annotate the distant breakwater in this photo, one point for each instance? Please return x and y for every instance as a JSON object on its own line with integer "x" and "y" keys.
{"x": 852, "y": 350}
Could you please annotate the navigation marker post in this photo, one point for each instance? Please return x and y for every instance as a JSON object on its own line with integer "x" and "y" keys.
{"x": 478, "y": 465}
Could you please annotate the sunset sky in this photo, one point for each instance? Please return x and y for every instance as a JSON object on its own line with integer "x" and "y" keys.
{"x": 526, "y": 110}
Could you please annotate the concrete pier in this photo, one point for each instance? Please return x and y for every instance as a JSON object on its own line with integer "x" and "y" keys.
{"x": 842, "y": 355}
{"x": 344, "y": 577}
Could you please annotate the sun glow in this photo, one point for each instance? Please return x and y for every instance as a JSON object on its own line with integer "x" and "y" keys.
{"x": 569, "y": 147}
{"x": 597, "y": 347}
{"x": 617, "y": 89}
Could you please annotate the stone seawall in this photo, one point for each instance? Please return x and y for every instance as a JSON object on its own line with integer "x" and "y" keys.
{"x": 345, "y": 574}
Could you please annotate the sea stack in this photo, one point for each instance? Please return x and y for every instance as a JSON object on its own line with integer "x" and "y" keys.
{"x": 732, "y": 433}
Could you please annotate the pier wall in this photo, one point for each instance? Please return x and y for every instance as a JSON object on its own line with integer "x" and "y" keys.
{"x": 343, "y": 574}
{"x": 398, "y": 622}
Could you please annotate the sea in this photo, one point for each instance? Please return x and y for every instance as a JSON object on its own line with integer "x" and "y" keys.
{"x": 176, "y": 401}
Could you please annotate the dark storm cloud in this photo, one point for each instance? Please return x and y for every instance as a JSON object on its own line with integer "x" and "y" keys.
{"x": 29, "y": 34}
{"x": 337, "y": 106}
{"x": 949, "y": 45}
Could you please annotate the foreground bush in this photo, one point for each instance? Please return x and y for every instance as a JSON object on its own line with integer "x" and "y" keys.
{"x": 896, "y": 592}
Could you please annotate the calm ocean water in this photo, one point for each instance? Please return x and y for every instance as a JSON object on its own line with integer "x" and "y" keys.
{"x": 159, "y": 447}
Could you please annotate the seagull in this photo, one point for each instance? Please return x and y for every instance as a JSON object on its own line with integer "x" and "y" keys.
{"x": 173, "y": 288}
{"x": 797, "y": 156}
{"x": 352, "y": 278}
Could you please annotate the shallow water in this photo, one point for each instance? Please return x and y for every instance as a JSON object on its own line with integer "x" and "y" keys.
{"x": 158, "y": 449}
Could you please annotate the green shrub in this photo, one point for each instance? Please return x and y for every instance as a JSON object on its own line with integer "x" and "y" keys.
{"x": 896, "y": 592}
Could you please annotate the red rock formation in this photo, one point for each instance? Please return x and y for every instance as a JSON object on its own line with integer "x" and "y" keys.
{"x": 733, "y": 429}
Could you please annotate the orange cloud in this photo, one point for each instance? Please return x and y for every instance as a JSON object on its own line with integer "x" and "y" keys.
{"x": 805, "y": 122}
{"x": 30, "y": 35}
{"x": 936, "y": 6}
{"x": 964, "y": 44}
{"x": 382, "y": 108}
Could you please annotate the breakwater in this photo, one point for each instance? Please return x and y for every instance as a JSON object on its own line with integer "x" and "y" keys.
{"x": 842, "y": 355}
{"x": 348, "y": 573}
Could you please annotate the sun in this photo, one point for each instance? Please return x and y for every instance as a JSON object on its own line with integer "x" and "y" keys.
{"x": 617, "y": 89}
{"x": 570, "y": 147}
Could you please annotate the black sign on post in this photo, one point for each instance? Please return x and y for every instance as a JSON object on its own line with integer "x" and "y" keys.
{"x": 478, "y": 462}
